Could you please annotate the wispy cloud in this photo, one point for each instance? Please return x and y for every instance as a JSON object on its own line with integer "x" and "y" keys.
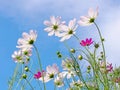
{"x": 111, "y": 28}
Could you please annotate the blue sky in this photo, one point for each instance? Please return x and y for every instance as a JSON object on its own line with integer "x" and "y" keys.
{"x": 17, "y": 16}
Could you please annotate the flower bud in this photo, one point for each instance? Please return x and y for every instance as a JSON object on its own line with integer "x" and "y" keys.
{"x": 24, "y": 76}
{"x": 103, "y": 39}
{"x": 59, "y": 56}
{"x": 96, "y": 45}
{"x": 72, "y": 50}
{"x": 26, "y": 68}
{"x": 28, "y": 59}
{"x": 89, "y": 67}
{"x": 58, "y": 53}
{"x": 80, "y": 57}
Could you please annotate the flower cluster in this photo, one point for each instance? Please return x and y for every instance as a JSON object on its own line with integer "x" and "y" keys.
{"x": 25, "y": 45}
{"x": 96, "y": 74}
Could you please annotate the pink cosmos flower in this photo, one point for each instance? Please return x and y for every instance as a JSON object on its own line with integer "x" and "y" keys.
{"x": 86, "y": 42}
{"x": 117, "y": 80}
{"x": 109, "y": 67}
{"x": 38, "y": 75}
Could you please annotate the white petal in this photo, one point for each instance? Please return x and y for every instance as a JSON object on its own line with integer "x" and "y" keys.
{"x": 48, "y": 29}
{"x": 51, "y": 33}
{"x": 91, "y": 12}
{"x": 72, "y": 23}
{"x": 53, "y": 20}
{"x": 47, "y": 23}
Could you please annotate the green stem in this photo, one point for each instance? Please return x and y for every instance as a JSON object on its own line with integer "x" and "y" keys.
{"x": 29, "y": 84}
{"x": 39, "y": 61}
{"x": 104, "y": 56}
{"x": 101, "y": 38}
{"x": 14, "y": 77}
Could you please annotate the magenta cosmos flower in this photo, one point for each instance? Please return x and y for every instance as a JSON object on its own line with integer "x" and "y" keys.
{"x": 86, "y": 42}
{"x": 109, "y": 67}
{"x": 38, "y": 75}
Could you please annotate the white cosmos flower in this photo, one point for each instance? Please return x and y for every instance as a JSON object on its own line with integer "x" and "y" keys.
{"x": 88, "y": 20}
{"x": 67, "y": 64}
{"x": 51, "y": 71}
{"x": 27, "y": 40}
{"x": 68, "y": 74}
{"x": 17, "y": 56}
{"x": 55, "y": 25}
{"x": 59, "y": 80}
{"x": 22, "y": 56}
{"x": 77, "y": 84}
{"x": 69, "y": 30}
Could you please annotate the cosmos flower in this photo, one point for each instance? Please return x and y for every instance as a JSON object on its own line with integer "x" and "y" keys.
{"x": 59, "y": 80}
{"x": 67, "y": 64}
{"x": 77, "y": 84}
{"x": 27, "y": 52}
{"x": 86, "y": 42}
{"x": 27, "y": 40}
{"x": 51, "y": 71}
{"x": 109, "y": 67}
{"x": 17, "y": 56}
{"x": 38, "y": 75}
{"x": 69, "y": 30}
{"x": 88, "y": 20}
{"x": 22, "y": 56}
{"x": 68, "y": 74}
{"x": 55, "y": 25}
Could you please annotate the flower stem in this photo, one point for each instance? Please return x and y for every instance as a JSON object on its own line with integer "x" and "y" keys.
{"x": 104, "y": 56}
{"x": 13, "y": 78}
{"x": 29, "y": 84}
{"x": 39, "y": 61}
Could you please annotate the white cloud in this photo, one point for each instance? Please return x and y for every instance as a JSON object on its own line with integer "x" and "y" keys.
{"x": 31, "y": 8}
{"x": 111, "y": 28}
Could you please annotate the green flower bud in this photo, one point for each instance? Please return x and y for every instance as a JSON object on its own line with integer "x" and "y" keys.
{"x": 23, "y": 62}
{"x": 24, "y": 76}
{"x": 26, "y": 68}
{"x": 103, "y": 39}
{"x": 88, "y": 71}
{"x": 80, "y": 57}
{"x": 72, "y": 50}
{"x": 58, "y": 53}
{"x": 28, "y": 59}
{"x": 89, "y": 67}
{"x": 96, "y": 45}
{"x": 59, "y": 56}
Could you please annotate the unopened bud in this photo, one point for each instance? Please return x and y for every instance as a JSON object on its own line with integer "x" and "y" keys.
{"x": 96, "y": 45}
{"x": 24, "y": 76}
{"x": 72, "y": 50}
{"x": 80, "y": 57}
{"x": 28, "y": 59}
{"x": 89, "y": 67}
{"x": 26, "y": 68}
{"x": 58, "y": 53}
{"x": 103, "y": 39}
{"x": 59, "y": 56}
